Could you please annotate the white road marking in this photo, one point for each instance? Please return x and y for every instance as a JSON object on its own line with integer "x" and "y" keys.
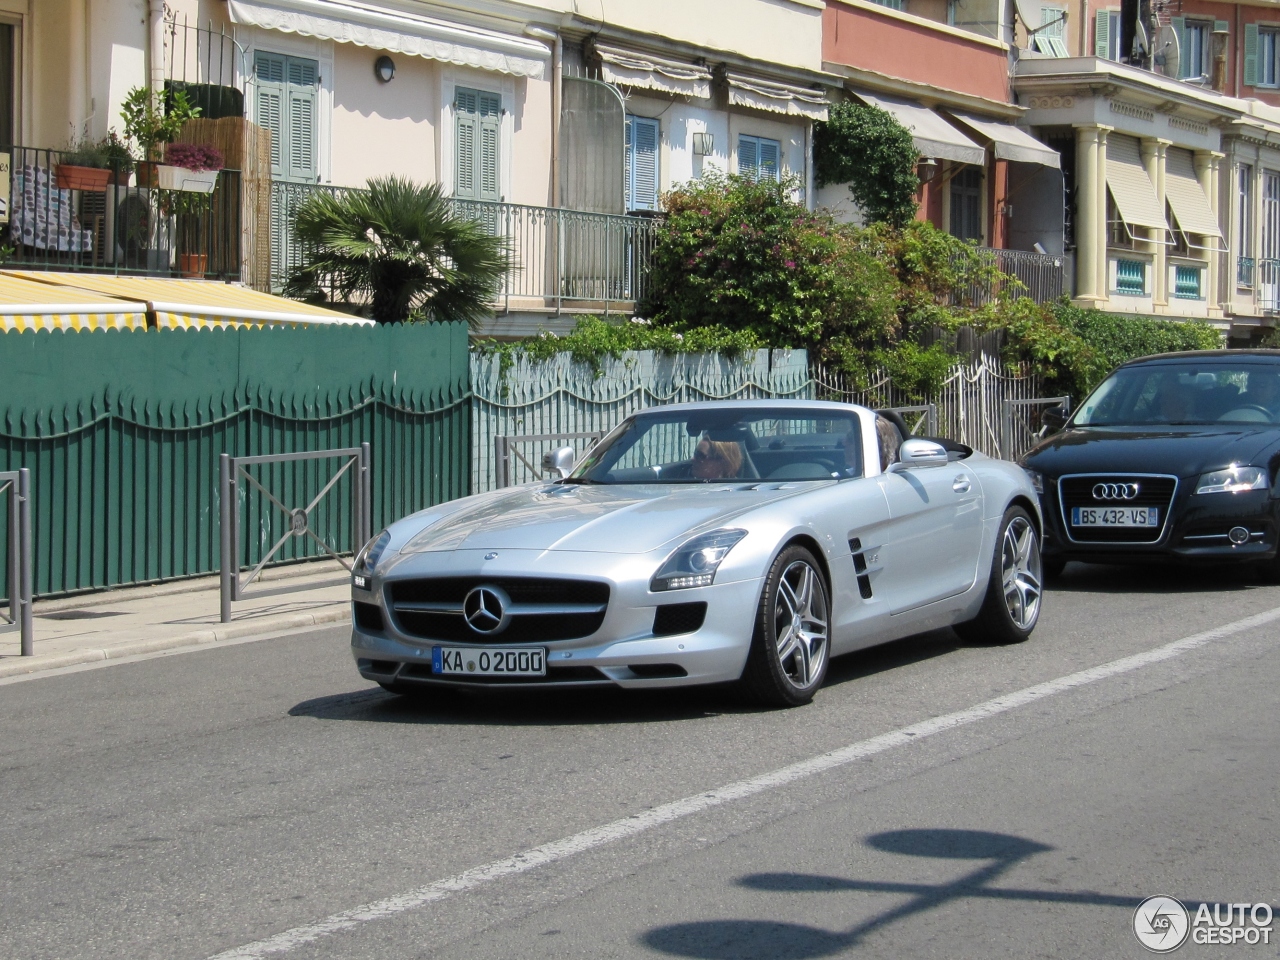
{"x": 639, "y": 823}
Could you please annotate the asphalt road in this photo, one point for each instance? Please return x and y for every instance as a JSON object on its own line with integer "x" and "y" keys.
{"x": 186, "y": 806}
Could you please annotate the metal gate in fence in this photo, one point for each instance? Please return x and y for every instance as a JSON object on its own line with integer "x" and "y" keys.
{"x": 17, "y": 484}
{"x": 507, "y": 449}
{"x": 1019, "y": 431}
{"x": 300, "y": 519}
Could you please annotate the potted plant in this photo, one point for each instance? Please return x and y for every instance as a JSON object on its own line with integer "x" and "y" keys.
{"x": 83, "y": 166}
{"x": 190, "y": 166}
{"x": 152, "y": 120}
{"x": 119, "y": 157}
{"x": 186, "y": 183}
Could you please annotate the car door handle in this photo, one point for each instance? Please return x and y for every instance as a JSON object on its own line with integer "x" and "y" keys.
{"x": 961, "y": 484}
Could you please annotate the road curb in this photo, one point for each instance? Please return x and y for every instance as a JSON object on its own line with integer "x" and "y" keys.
{"x": 19, "y": 666}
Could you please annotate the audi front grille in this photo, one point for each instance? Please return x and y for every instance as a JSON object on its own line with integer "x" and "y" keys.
{"x": 1116, "y": 490}
{"x": 541, "y": 609}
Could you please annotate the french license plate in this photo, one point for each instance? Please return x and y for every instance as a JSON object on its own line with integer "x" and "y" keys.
{"x": 1115, "y": 516}
{"x": 495, "y": 662}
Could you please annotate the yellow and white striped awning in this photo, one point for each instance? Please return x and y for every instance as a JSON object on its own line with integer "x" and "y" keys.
{"x": 29, "y": 305}
{"x": 185, "y": 304}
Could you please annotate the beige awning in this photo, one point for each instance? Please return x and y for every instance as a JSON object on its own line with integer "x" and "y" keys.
{"x": 776, "y": 97}
{"x": 630, "y": 68}
{"x": 1190, "y": 206}
{"x": 933, "y": 136}
{"x": 28, "y": 305}
{"x": 1008, "y": 142}
{"x": 1131, "y": 189}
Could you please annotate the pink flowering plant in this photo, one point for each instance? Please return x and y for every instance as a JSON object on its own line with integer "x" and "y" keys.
{"x": 193, "y": 156}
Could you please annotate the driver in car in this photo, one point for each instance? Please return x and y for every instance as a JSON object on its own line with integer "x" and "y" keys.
{"x": 716, "y": 460}
{"x": 1264, "y": 392}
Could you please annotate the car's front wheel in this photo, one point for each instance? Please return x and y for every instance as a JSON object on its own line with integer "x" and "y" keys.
{"x": 1015, "y": 586}
{"x": 792, "y": 642}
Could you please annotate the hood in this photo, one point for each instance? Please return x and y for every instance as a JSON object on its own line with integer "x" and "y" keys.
{"x": 593, "y": 519}
{"x": 1179, "y": 451}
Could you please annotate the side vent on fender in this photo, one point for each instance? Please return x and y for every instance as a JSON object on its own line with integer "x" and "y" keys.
{"x": 860, "y": 567}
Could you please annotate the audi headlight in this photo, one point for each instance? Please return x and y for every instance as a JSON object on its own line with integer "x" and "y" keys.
{"x": 1234, "y": 479}
{"x": 368, "y": 558}
{"x": 694, "y": 563}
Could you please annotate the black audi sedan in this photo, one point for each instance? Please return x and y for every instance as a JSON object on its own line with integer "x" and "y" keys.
{"x": 1172, "y": 457}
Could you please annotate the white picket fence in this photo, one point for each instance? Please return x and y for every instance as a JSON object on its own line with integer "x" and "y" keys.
{"x": 559, "y": 400}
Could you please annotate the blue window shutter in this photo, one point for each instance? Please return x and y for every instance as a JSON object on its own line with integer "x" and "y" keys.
{"x": 748, "y": 156}
{"x": 287, "y": 100}
{"x": 770, "y": 167}
{"x": 642, "y": 163}
{"x": 1251, "y": 55}
{"x": 1102, "y": 33}
{"x": 301, "y": 134}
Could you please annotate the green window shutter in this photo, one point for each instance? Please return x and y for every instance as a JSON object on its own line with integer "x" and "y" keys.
{"x": 1179, "y": 25}
{"x": 1251, "y": 55}
{"x": 748, "y": 156}
{"x": 1101, "y": 33}
{"x": 302, "y": 134}
{"x": 490, "y": 133}
{"x": 642, "y": 164}
{"x": 287, "y": 102}
{"x": 269, "y": 69}
{"x": 769, "y": 160}
{"x": 465, "y": 153}
{"x": 477, "y": 144}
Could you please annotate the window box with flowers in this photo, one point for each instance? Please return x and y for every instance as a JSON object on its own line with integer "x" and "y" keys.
{"x": 189, "y": 167}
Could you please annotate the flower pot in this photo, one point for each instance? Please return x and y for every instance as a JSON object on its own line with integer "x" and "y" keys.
{"x": 90, "y": 179}
{"x": 193, "y": 265}
{"x": 147, "y": 175}
{"x": 119, "y": 178}
{"x": 180, "y": 178}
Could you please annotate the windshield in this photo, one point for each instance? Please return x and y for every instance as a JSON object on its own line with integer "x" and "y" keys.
{"x": 707, "y": 446}
{"x": 1185, "y": 393}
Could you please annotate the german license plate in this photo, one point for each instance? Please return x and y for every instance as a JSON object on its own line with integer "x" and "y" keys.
{"x": 1115, "y": 516}
{"x": 494, "y": 662}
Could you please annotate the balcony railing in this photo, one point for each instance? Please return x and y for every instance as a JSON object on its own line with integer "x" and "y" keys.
{"x": 1266, "y": 290}
{"x": 558, "y": 257}
{"x": 1040, "y": 276}
{"x": 57, "y": 223}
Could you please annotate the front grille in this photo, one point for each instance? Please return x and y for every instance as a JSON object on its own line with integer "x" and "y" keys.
{"x": 543, "y": 609}
{"x": 673, "y": 618}
{"x": 1153, "y": 491}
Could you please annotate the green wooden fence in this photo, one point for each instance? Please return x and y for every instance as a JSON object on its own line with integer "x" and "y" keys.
{"x": 122, "y": 432}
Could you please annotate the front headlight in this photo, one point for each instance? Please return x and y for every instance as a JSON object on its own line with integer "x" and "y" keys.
{"x": 694, "y": 563}
{"x": 368, "y": 558}
{"x": 1234, "y": 479}
{"x": 1037, "y": 480}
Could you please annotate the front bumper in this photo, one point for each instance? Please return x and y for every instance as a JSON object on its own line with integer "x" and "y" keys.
{"x": 623, "y": 652}
{"x": 1197, "y": 532}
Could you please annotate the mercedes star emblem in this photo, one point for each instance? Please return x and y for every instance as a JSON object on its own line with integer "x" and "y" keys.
{"x": 485, "y": 609}
{"x": 1115, "y": 491}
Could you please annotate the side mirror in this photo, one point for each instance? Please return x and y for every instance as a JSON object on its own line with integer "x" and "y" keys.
{"x": 916, "y": 453}
{"x": 1054, "y": 419}
{"x": 559, "y": 461}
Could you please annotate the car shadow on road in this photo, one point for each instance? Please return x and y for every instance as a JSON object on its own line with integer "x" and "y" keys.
{"x": 600, "y": 705}
{"x": 1152, "y": 578}
{"x": 748, "y": 939}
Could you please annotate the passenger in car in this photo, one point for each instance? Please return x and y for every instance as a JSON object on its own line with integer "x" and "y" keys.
{"x": 889, "y": 439}
{"x": 716, "y": 460}
{"x": 1264, "y": 391}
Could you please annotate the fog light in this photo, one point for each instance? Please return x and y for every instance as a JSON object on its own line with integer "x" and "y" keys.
{"x": 1238, "y": 535}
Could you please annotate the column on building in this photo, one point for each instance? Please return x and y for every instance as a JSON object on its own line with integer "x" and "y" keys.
{"x": 1207, "y": 162}
{"x": 1091, "y": 212}
{"x": 1154, "y": 153}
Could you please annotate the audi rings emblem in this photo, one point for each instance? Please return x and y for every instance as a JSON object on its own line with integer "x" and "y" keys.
{"x": 1115, "y": 491}
{"x": 485, "y": 609}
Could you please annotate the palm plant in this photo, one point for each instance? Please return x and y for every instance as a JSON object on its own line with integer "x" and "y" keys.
{"x": 396, "y": 250}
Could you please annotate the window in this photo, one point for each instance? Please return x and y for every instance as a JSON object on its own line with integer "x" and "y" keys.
{"x": 1244, "y": 241}
{"x": 643, "y": 137}
{"x": 758, "y": 158}
{"x": 891, "y": 4}
{"x": 1194, "y": 41}
{"x": 1260, "y": 49}
{"x": 1186, "y": 283}
{"x": 286, "y": 105}
{"x": 1106, "y": 34}
{"x": 1131, "y": 278}
{"x": 1051, "y": 38}
{"x": 477, "y": 133}
{"x": 966, "y": 204}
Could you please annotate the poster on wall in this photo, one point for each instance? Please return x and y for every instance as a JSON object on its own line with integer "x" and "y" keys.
{"x": 5, "y": 159}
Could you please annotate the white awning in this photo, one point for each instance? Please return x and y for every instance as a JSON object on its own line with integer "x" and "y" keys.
{"x": 629, "y": 68}
{"x": 404, "y": 33}
{"x": 1008, "y": 142}
{"x": 1131, "y": 189}
{"x": 934, "y": 136}
{"x": 745, "y": 91}
{"x": 1190, "y": 206}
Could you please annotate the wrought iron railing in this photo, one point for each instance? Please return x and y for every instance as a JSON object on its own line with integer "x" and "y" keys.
{"x": 1266, "y": 290}
{"x": 60, "y": 219}
{"x": 1245, "y": 271}
{"x": 558, "y": 256}
{"x": 1040, "y": 276}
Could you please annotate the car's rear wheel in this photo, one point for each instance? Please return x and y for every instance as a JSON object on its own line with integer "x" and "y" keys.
{"x": 791, "y": 645}
{"x": 1012, "y": 604}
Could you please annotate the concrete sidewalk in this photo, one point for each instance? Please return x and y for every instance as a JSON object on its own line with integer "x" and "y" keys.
{"x": 136, "y": 620}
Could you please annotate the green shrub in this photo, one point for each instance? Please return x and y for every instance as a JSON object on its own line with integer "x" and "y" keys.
{"x": 875, "y": 155}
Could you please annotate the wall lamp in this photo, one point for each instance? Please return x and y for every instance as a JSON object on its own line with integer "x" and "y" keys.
{"x": 704, "y": 144}
{"x": 384, "y": 69}
{"x": 927, "y": 169}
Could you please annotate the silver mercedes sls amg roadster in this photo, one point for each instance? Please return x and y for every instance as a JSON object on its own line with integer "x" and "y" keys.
{"x": 702, "y": 543}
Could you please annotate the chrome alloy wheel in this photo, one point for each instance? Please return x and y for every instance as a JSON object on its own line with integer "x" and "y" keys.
{"x": 1020, "y": 572}
{"x": 800, "y": 624}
